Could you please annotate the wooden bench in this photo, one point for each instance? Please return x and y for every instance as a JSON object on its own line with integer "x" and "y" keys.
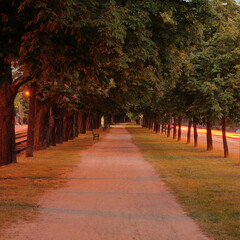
{"x": 95, "y": 135}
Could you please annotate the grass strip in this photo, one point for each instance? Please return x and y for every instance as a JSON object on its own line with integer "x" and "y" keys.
{"x": 206, "y": 184}
{"x": 24, "y": 183}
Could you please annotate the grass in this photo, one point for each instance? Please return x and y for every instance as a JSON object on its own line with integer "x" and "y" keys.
{"x": 206, "y": 184}
{"x": 23, "y": 184}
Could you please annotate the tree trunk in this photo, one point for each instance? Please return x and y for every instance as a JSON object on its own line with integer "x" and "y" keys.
{"x": 149, "y": 123}
{"x": 209, "y": 136}
{"x": 31, "y": 122}
{"x": 179, "y": 127}
{"x": 89, "y": 122}
{"x": 83, "y": 123}
{"x": 70, "y": 120}
{"x": 195, "y": 134}
{"x": 52, "y": 131}
{"x": 41, "y": 125}
{"x": 41, "y": 136}
{"x": 7, "y": 115}
{"x": 75, "y": 125}
{"x": 65, "y": 128}
{"x": 7, "y": 125}
{"x": 100, "y": 120}
{"x": 169, "y": 130}
{"x": 225, "y": 145}
{"x": 95, "y": 121}
{"x": 59, "y": 115}
{"x": 155, "y": 126}
{"x": 174, "y": 127}
{"x": 144, "y": 121}
{"x": 79, "y": 120}
{"x": 189, "y": 131}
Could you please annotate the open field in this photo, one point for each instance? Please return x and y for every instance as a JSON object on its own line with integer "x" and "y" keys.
{"x": 23, "y": 184}
{"x": 207, "y": 185}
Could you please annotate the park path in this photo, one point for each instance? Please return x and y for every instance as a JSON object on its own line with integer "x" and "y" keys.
{"x": 112, "y": 194}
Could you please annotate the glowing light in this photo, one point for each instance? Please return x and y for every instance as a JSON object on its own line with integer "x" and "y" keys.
{"x": 27, "y": 93}
{"x": 216, "y": 133}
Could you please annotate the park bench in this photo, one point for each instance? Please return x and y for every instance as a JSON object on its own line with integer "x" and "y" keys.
{"x": 95, "y": 135}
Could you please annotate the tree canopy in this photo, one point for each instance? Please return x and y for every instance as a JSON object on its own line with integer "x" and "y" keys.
{"x": 158, "y": 58}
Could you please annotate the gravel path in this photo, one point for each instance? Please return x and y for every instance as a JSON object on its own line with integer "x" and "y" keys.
{"x": 113, "y": 194}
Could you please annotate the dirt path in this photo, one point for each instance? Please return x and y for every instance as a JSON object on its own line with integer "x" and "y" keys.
{"x": 113, "y": 194}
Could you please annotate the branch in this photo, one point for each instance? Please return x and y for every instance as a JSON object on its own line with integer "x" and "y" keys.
{"x": 19, "y": 82}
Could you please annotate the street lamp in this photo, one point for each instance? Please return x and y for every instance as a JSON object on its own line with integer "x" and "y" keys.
{"x": 27, "y": 93}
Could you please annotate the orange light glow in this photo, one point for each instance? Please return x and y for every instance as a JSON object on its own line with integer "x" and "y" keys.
{"x": 217, "y": 133}
{"x": 27, "y": 93}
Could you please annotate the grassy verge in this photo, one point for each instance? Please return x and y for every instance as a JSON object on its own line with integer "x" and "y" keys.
{"x": 207, "y": 185}
{"x": 23, "y": 184}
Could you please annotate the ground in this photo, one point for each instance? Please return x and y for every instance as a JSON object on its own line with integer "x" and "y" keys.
{"x": 112, "y": 194}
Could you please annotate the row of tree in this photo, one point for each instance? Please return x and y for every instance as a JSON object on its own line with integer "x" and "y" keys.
{"x": 204, "y": 85}
{"x": 82, "y": 59}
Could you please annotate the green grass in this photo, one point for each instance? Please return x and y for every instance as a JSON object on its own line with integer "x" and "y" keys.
{"x": 24, "y": 183}
{"x": 206, "y": 184}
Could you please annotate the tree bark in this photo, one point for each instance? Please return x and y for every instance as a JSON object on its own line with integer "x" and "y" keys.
{"x": 189, "y": 131}
{"x": 195, "y": 134}
{"x": 144, "y": 121}
{"x": 70, "y": 125}
{"x": 52, "y": 131}
{"x": 149, "y": 123}
{"x": 174, "y": 127}
{"x": 41, "y": 125}
{"x": 95, "y": 121}
{"x": 59, "y": 115}
{"x": 89, "y": 122}
{"x": 155, "y": 126}
{"x": 83, "y": 123}
{"x": 169, "y": 130}
{"x": 225, "y": 144}
{"x": 79, "y": 120}
{"x": 65, "y": 128}
{"x": 179, "y": 127}
{"x": 75, "y": 128}
{"x": 7, "y": 125}
{"x": 7, "y": 115}
{"x": 31, "y": 121}
{"x": 209, "y": 136}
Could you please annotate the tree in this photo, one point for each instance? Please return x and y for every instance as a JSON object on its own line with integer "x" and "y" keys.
{"x": 26, "y": 37}
{"x": 216, "y": 84}
{"x": 89, "y": 44}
